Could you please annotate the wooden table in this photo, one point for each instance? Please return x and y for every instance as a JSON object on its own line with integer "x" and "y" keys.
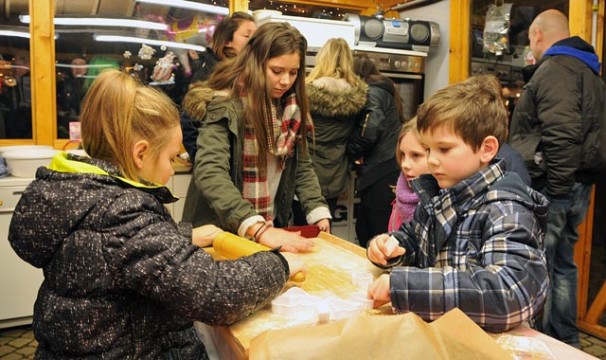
{"x": 329, "y": 268}
{"x": 328, "y": 274}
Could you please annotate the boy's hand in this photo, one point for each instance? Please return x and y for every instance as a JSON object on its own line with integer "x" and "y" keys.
{"x": 379, "y": 291}
{"x": 384, "y": 247}
{"x": 204, "y": 235}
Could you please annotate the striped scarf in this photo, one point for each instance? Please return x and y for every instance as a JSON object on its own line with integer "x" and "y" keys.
{"x": 255, "y": 188}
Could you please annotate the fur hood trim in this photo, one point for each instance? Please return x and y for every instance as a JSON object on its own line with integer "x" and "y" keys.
{"x": 329, "y": 98}
{"x": 196, "y": 100}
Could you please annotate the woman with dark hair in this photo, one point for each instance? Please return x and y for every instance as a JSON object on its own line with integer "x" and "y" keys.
{"x": 371, "y": 148}
{"x": 252, "y": 154}
{"x": 229, "y": 37}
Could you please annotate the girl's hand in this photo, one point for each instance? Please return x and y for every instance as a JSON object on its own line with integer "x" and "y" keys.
{"x": 384, "y": 247}
{"x": 204, "y": 235}
{"x": 295, "y": 263}
{"x": 290, "y": 241}
{"x": 379, "y": 291}
{"x": 324, "y": 225}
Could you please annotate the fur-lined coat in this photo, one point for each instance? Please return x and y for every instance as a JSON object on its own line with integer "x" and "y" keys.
{"x": 214, "y": 195}
{"x": 334, "y": 107}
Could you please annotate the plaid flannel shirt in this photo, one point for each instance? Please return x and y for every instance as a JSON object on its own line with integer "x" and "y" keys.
{"x": 476, "y": 246}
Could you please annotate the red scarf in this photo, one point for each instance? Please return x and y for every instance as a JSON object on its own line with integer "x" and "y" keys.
{"x": 282, "y": 135}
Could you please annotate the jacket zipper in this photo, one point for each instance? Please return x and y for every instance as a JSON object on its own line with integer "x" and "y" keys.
{"x": 365, "y": 123}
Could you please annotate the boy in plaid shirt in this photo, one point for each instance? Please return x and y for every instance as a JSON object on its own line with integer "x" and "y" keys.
{"x": 476, "y": 239}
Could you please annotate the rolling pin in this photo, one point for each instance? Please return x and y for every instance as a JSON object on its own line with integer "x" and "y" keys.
{"x": 232, "y": 247}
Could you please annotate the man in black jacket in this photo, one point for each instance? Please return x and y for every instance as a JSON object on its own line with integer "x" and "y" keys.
{"x": 556, "y": 128}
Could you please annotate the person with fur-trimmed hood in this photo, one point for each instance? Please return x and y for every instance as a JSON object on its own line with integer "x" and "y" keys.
{"x": 336, "y": 97}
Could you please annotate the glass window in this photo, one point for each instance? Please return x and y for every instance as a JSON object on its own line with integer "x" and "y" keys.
{"x": 154, "y": 40}
{"x": 508, "y": 64}
{"x": 15, "y": 81}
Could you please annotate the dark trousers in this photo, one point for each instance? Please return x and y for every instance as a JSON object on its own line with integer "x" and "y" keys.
{"x": 375, "y": 208}
{"x": 563, "y": 219}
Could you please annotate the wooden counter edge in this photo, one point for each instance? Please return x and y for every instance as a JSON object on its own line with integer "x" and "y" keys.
{"x": 335, "y": 240}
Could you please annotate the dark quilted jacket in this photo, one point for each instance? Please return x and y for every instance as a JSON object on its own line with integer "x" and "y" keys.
{"x": 375, "y": 137}
{"x": 120, "y": 280}
{"x": 557, "y": 121}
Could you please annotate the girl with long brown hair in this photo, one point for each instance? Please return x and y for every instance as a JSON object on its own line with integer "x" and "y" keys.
{"x": 252, "y": 154}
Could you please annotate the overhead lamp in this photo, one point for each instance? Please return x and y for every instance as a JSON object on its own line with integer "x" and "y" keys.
{"x": 21, "y": 34}
{"x": 137, "y": 40}
{"x": 86, "y": 66}
{"x": 190, "y": 5}
{"x": 96, "y": 21}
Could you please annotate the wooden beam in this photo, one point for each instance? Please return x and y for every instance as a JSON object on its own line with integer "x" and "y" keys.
{"x": 582, "y": 257}
{"x": 387, "y": 4}
{"x": 579, "y": 19}
{"x": 42, "y": 72}
{"x": 458, "y": 68}
{"x": 599, "y": 49}
{"x": 238, "y": 5}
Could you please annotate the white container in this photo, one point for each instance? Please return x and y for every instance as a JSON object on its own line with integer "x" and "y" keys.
{"x": 315, "y": 31}
{"x": 5, "y": 149}
{"x": 24, "y": 163}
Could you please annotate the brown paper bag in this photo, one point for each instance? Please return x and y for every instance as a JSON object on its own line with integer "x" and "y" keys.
{"x": 453, "y": 336}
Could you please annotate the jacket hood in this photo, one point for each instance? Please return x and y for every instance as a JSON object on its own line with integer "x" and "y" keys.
{"x": 577, "y": 48}
{"x": 196, "y": 100}
{"x": 61, "y": 197}
{"x": 330, "y": 97}
{"x": 512, "y": 187}
{"x": 383, "y": 83}
{"x": 497, "y": 184}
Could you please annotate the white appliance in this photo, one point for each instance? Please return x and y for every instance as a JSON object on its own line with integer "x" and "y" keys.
{"x": 315, "y": 31}
{"x": 19, "y": 281}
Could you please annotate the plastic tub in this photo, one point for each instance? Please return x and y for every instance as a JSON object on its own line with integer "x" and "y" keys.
{"x": 5, "y": 149}
{"x": 24, "y": 163}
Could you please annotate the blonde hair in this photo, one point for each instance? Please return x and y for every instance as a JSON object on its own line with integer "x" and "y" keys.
{"x": 245, "y": 75}
{"x": 473, "y": 109}
{"x": 118, "y": 111}
{"x": 409, "y": 126}
{"x": 335, "y": 60}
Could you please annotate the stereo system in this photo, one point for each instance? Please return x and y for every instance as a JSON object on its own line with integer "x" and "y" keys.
{"x": 404, "y": 34}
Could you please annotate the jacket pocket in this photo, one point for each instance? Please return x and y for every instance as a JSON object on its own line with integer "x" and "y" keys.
{"x": 529, "y": 147}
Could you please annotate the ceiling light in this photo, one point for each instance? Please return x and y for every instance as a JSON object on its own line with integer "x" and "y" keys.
{"x": 95, "y": 21}
{"x": 136, "y": 40}
{"x": 22, "y": 34}
{"x": 190, "y": 5}
{"x": 87, "y": 66}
